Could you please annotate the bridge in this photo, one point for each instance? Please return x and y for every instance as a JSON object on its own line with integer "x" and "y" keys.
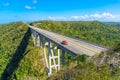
{"x": 43, "y": 38}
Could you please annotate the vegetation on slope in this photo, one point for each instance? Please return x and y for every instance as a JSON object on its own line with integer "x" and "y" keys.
{"x": 90, "y": 31}
{"x": 113, "y": 23}
{"x": 95, "y": 32}
{"x": 10, "y": 37}
{"x": 18, "y": 58}
{"x": 106, "y": 66}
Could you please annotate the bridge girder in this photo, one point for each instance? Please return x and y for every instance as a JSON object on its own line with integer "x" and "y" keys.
{"x": 52, "y": 61}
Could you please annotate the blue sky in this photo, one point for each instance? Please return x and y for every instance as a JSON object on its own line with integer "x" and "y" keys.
{"x": 75, "y": 10}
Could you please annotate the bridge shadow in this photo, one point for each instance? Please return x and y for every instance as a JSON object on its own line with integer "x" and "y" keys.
{"x": 17, "y": 57}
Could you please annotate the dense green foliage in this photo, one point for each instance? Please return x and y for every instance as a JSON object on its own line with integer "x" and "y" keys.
{"x": 102, "y": 69}
{"x": 113, "y": 23}
{"x": 30, "y": 66}
{"x": 10, "y": 37}
{"x": 22, "y": 61}
{"x": 93, "y": 31}
{"x": 83, "y": 71}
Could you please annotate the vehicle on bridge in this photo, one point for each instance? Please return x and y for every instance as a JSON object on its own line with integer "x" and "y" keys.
{"x": 64, "y": 42}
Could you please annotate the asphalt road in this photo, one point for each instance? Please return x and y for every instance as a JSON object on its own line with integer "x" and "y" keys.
{"x": 74, "y": 45}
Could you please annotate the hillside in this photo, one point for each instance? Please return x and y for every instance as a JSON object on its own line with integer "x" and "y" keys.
{"x": 19, "y": 60}
{"x": 106, "y": 66}
{"x": 94, "y": 31}
{"x": 113, "y": 23}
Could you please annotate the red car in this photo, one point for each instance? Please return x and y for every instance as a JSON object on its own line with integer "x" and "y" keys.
{"x": 64, "y": 42}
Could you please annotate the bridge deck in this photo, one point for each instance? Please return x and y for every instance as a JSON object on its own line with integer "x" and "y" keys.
{"x": 74, "y": 45}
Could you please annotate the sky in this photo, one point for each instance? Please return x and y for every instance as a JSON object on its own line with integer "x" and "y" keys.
{"x": 59, "y": 10}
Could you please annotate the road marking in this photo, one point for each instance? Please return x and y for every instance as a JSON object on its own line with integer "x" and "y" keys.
{"x": 57, "y": 36}
{"x": 82, "y": 46}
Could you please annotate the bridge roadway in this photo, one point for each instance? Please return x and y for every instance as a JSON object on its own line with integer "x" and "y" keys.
{"x": 74, "y": 45}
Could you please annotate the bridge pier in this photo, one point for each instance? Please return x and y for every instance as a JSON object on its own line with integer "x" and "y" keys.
{"x": 53, "y": 64}
{"x": 63, "y": 57}
{"x": 52, "y": 55}
{"x": 53, "y": 59}
{"x": 36, "y": 39}
{"x": 46, "y": 39}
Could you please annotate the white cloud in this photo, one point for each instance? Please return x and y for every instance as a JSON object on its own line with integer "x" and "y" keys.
{"x": 6, "y": 4}
{"x": 35, "y": 1}
{"x": 105, "y": 16}
{"x": 96, "y": 16}
{"x": 51, "y": 18}
{"x": 108, "y": 15}
{"x": 29, "y": 7}
{"x": 80, "y": 17}
{"x": 57, "y": 18}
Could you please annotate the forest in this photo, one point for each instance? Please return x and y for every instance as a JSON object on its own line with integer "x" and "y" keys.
{"x": 113, "y": 23}
{"x": 19, "y": 60}
{"x": 92, "y": 31}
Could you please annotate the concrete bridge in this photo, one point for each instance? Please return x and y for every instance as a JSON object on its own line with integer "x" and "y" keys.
{"x": 43, "y": 38}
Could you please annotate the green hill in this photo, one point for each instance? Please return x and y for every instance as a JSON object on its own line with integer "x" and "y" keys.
{"x": 105, "y": 66}
{"x": 113, "y": 23}
{"x": 19, "y": 60}
{"x": 93, "y": 31}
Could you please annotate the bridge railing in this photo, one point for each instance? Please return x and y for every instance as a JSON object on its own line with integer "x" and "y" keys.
{"x": 40, "y": 39}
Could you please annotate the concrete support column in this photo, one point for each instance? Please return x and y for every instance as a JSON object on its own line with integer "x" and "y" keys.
{"x": 50, "y": 67}
{"x": 40, "y": 40}
{"x": 49, "y": 56}
{"x": 34, "y": 37}
{"x": 52, "y": 62}
{"x": 45, "y": 57}
{"x": 63, "y": 57}
{"x": 58, "y": 59}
